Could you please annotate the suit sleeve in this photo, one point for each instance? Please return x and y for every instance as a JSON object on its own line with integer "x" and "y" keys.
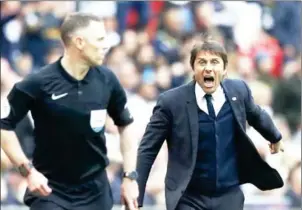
{"x": 156, "y": 132}
{"x": 117, "y": 108}
{"x": 19, "y": 101}
{"x": 260, "y": 120}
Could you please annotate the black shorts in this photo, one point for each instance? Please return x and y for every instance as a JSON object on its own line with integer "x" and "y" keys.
{"x": 92, "y": 195}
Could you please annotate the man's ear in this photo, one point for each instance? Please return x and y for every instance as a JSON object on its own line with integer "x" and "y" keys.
{"x": 193, "y": 77}
{"x": 224, "y": 73}
{"x": 78, "y": 42}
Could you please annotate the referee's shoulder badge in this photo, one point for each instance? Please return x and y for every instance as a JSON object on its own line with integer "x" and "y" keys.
{"x": 5, "y": 108}
{"x": 98, "y": 119}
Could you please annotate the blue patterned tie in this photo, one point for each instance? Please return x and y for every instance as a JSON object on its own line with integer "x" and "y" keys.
{"x": 210, "y": 105}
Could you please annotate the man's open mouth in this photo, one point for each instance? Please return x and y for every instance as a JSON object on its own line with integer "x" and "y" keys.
{"x": 208, "y": 81}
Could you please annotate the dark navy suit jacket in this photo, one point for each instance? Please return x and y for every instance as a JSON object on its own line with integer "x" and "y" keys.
{"x": 175, "y": 119}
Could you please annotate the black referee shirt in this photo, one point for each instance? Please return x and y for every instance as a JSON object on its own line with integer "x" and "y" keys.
{"x": 69, "y": 119}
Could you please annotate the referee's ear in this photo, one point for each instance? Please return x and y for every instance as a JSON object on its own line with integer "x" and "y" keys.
{"x": 79, "y": 42}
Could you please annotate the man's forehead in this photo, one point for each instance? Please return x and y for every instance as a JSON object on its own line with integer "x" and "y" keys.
{"x": 207, "y": 55}
{"x": 96, "y": 24}
{"x": 94, "y": 27}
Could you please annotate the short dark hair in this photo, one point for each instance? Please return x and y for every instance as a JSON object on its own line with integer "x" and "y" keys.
{"x": 75, "y": 21}
{"x": 211, "y": 46}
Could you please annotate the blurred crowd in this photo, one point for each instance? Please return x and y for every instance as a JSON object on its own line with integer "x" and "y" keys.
{"x": 150, "y": 50}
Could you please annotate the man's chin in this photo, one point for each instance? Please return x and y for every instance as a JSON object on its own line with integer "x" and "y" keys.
{"x": 209, "y": 90}
{"x": 97, "y": 63}
{"x": 100, "y": 61}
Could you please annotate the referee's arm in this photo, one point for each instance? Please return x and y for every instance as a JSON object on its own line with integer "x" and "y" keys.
{"x": 128, "y": 147}
{"x": 122, "y": 118}
{"x": 17, "y": 107}
{"x": 20, "y": 101}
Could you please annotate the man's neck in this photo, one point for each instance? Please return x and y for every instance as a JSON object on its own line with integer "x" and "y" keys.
{"x": 74, "y": 67}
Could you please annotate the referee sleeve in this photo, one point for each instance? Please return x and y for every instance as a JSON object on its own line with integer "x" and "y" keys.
{"x": 19, "y": 102}
{"x": 117, "y": 108}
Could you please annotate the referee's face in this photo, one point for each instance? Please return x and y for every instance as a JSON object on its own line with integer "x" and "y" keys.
{"x": 208, "y": 71}
{"x": 94, "y": 45}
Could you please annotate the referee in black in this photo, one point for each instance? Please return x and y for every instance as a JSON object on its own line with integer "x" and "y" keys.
{"x": 69, "y": 101}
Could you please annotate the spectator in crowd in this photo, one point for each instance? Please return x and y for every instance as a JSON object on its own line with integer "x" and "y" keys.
{"x": 289, "y": 89}
{"x": 125, "y": 7}
{"x": 282, "y": 19}
{"x": 41, "y": 30}
{"x": 10, "y": 29}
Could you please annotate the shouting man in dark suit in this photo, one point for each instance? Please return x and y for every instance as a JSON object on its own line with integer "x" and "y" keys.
{"x": 203, "y": 122}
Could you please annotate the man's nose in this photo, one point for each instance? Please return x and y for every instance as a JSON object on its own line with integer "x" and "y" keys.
{"x": 209, "y": 68}
{"x": 105, "y": 48}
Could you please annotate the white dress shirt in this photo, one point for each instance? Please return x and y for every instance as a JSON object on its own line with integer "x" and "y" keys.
{"x": 218, "y": 99}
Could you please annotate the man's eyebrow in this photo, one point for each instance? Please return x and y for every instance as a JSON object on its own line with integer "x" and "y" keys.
{"x": 203, "y": 59}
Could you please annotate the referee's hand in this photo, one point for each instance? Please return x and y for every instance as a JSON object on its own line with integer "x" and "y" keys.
{"x": 129, "y": 194}
{"x": 38, "y": 183}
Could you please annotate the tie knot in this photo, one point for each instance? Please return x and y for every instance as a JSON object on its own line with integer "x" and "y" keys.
{"x": 208, "y": 96}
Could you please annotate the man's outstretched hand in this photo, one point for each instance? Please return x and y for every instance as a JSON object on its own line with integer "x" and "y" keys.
{"x": 276, "y": 147}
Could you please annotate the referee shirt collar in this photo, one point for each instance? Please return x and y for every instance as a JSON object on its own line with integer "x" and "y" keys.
{"x": 64, "y": 73}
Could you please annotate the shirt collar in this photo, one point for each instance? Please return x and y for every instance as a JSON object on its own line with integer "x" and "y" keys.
{"x": 87, "y": 78}
{"x": 200, "y": 92}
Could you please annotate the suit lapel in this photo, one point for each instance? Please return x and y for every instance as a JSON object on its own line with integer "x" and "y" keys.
{"x": 193, "y": 116}
{"x": 233, "y": 100}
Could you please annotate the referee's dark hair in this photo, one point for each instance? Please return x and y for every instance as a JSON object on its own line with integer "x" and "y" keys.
{"x": 211, "y": 46}
{"x": 75, "y": 21}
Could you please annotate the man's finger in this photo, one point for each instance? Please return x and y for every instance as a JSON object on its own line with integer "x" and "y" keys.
{"x": 35, "y": 192}
{"x": 273, "y": 150}
{"x": 276, "y": 150}
{"x": 38, "y": 191}
{"x": 123, "y": 200}
{"x": 46, "y": 189}
{"x": 136, "y": 203}
{"x": 271, "y": 146}
{"x": 130, "y": 204}
{"x": 42, "y": 191}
